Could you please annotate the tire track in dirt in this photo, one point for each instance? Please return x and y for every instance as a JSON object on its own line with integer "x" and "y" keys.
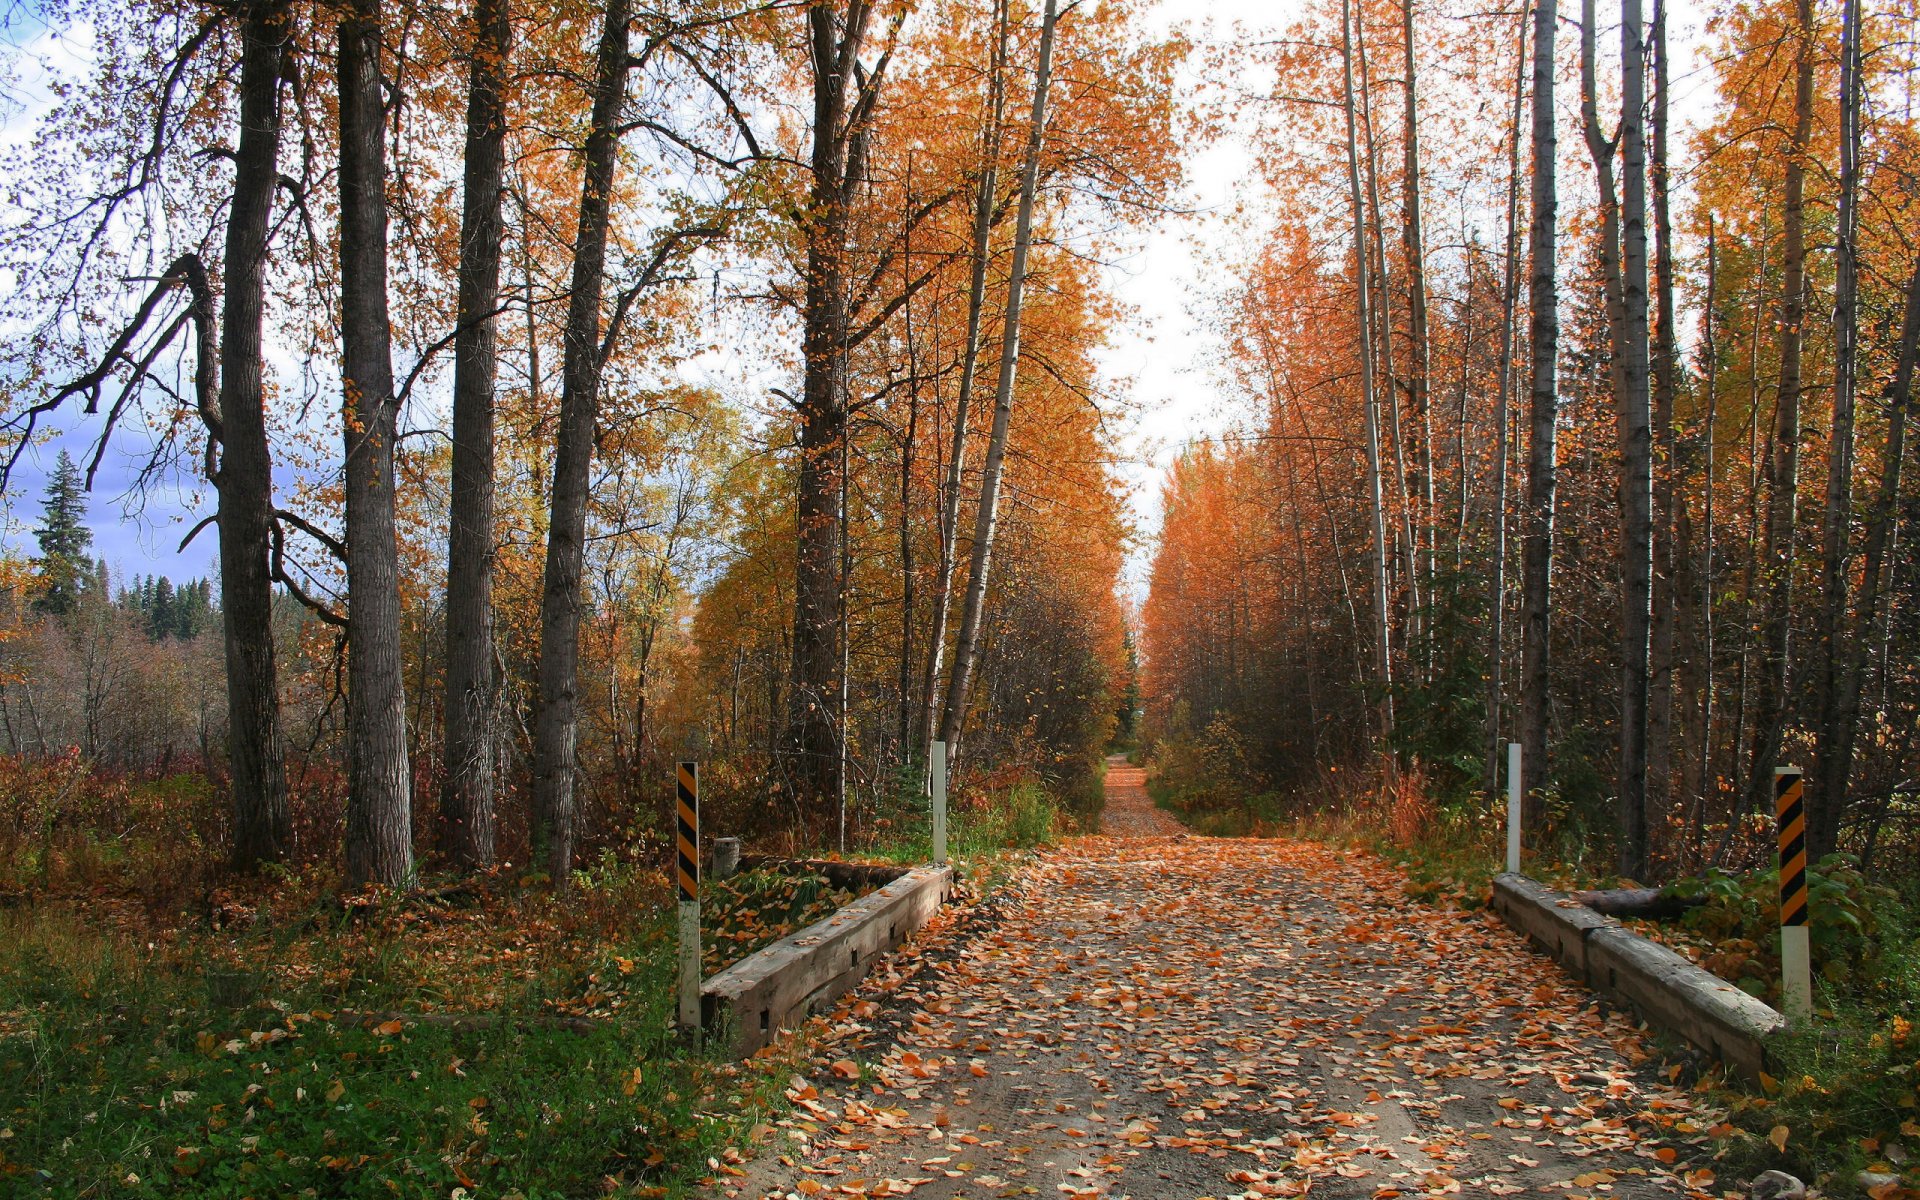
{"x": 1183, "y": 1017}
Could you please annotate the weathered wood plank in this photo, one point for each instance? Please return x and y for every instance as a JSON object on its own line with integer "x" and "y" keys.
{"x": 1661, "y": 986}
{"x": 781, "y": 986}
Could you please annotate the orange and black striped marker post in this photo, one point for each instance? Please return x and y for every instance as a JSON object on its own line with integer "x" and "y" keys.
{"x": 687, "y": 873}
{"x": 1796, "y": 960}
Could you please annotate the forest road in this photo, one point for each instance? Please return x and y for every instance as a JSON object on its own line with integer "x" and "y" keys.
{"x": 1181, "y": 1017}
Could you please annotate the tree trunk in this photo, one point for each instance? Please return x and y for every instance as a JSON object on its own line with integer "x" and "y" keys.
{"x": 840, "y": 103}
{"x": 1636, "y": 451}
{"x": 556, "y": 721}
{"x": 1783, "y": 462}
{"x": 1382, "y": 636}
{"x": 262, "y": 826}
{"x": 1419, "y": 371}
{"x": 1509, "y": 300}
{"x": 1704, "y": 777}
{"x": 966, "y": 650}
{"x": 1881, "y": 522}
{"x": 986, "y": 195}
{"x": 379, "y": 784}
{"x": 1828, "y": 800}
{"x": 1668, "y": 512}
{"x": 1543, "y": 418}
{"x": 467, "y": 794}
{"x": 1382, "y": 335}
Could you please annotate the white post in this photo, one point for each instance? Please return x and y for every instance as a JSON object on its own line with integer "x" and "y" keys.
{"x": 938, "y": 773}
{"x": 1796, "y": 970}
{"x": 1513, "y": 807}
{"x": 690, "y": 964}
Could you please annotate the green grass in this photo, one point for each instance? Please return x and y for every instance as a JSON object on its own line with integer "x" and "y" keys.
{"x": 127, "y": 1073}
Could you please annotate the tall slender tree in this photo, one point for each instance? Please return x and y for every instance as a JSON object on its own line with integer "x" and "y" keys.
{"x": 985, "y": 199}
{"x": 1834, "y": 752}
{"x": 967, "y": 648}
{"x": 1503, "y": 417}
{"x": 1783, "y": 458}
{"x": 1363, "y": 324}
{"x": 1543, "y": 420}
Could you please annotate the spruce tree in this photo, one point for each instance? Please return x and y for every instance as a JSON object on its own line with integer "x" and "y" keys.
{"x": 64, "y": 539}
{"x": 162, "y": 613}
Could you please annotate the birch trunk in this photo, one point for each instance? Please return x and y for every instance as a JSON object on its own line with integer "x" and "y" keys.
{"x": 1509, "y": 300}
{"x": 1671, "y": 601}
{"x": 986, "y": 194}
{"x": 1363, "y": 324}
{"x": 966, "y": 650}
{"x": 1419, "y": 373}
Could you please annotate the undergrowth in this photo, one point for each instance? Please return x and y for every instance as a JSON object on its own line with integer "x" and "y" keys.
{"x": 215, "y": 1037}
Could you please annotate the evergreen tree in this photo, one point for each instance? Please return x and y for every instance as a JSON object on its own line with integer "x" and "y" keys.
{"x": 162, "y": 612}
{"x": 64, "y": 539}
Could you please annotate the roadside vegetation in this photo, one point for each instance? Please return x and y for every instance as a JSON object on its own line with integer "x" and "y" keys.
{"x": 1845, "y": 1094}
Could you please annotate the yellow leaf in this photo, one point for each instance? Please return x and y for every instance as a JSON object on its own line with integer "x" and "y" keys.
{"x": 1768, "y": 1083}
{"x": 335, "y": 1090}
{"x": 632, "y": 1084}
{"x": 1779, "y": 1138}
{"x": 388, "y": 1028}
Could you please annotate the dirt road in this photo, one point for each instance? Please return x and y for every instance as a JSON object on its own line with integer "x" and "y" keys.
{"x": 1155, "y": 1016}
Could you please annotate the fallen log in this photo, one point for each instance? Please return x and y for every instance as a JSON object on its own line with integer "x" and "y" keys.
{"x": 849, "y": 875}
{"x": 1654, "y": 904}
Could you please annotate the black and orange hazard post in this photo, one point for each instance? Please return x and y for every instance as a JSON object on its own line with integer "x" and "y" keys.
{"x": 687, "y": 874}
{"x": 1796, "y": 965}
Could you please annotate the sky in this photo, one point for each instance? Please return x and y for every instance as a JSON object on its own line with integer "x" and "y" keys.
{"x": 1164, "y": 355}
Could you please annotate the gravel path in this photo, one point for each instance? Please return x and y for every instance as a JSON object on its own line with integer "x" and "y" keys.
{"x": 1191, "y": 1017}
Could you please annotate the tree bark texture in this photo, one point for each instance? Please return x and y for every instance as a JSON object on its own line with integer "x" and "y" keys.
{"x": 841, "y": 109}
{"x": 1783, "y": 463}
{"x": 1543, "y": 421}
{"x": 467, "y": 793}
{"x": 1636, "y": 451}
{"x": 256, "y": 762}
{"x": 1503, "y": 451}
{"x": 1828, "y": 800}
{"x": 1669, "y": 598}
{"x": 556, "y": 720}
{"x": 379, "y": 842}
